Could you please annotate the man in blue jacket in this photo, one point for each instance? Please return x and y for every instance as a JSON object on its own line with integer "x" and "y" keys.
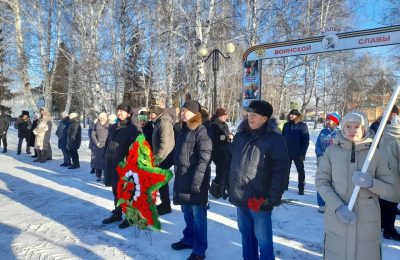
{"x": 297, "y": 138}
{"x": 257, "y": 177}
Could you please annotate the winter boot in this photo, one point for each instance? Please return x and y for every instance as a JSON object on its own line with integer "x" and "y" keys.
{"x": 4, "y": 149}
{"x": 28, "y": 150}
{"x": 42, "y": 156}
{"x": 39, "y": 156}
{"x": 180, "y": 246}
{"x": 74, "y": 166}
{"x": 35, "y": 155}
{"x": 215, "y": 190}
{"x": 391, "y": 234}
{"x": 124, "y": 224}
{"x": 301, "y": 190}
{"x": 93, "y": 171}
{"x": 163, "y": 209}
{"x": 114, "y": 217}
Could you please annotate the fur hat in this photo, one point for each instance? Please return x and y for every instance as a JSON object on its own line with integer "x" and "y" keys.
{"x": 334, "y": 116}
{"x": 73, "y": 115}
{"x": 294, "y": 112}
{"x": 64, "y": 114}
{"x": 260, "y": 107}
{"x": 25, "y": 113}
{"x": 156, "y": 110}
{"x": 125, "y": 107}
{"x": 193, "y": 106}
{"x": 356, "y": 117}
{"x": 220, "y": 112}
{"x": 102, "y": 115}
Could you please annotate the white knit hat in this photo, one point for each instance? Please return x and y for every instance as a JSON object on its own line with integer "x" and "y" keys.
{"x": 356, "y": 117}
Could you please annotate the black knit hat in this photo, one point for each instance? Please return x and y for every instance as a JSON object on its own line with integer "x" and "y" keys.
{"x": 125, "y": 107}
{"x": 294, "y": 112}
{"x": 24, "y": 112}
{"x": 192, "y": 105}
{"x": 260, "y": 107}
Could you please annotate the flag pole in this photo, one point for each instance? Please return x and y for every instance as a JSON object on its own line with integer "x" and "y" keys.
{"x": 374, "y": 144}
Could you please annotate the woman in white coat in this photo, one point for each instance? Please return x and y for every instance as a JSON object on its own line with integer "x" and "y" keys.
{"x": 352, "y": 234}
{"x": 42, "y": 134}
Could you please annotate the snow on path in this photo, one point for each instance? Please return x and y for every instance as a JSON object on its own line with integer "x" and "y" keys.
{"x": 49, "y": 212}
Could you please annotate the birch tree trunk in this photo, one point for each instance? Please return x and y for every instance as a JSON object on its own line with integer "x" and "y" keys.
{"x": 22, "y": 59}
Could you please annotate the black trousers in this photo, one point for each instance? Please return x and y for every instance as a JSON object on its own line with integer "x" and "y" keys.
{"x": 28, "y": 150}
{"x": 388, "y": 214}
{"x": 3, "y": 139}
{"x": 164, "y": 190}
{"x": 300, "y": 172}
{"x": 118, "y": 210}
{"x": 74, "y": 156}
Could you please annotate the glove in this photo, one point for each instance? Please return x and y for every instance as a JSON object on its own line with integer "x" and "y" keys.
{"x": 4, "y": 132}
{"x": 256, "y": 204}
{"x": 100, "y": 145}
{"x": 195, "y": 189}
{"x": 222, "y": 137}
{"x": 302, "y": 158}
{"x": 345, "y": 215}
{"x": 362, "y": 179}
{"x": 34, "y": 132}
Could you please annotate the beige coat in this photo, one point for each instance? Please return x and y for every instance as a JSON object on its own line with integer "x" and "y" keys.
{"x": 390, "y": 145}
{"x": 43, "y": 133}
{"x": 362, "y": 240}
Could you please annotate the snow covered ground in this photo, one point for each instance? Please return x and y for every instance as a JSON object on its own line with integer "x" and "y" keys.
{"x": 49, "y": 212}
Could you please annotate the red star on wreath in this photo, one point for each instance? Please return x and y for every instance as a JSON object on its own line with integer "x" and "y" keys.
{"x": 138, "y": 185}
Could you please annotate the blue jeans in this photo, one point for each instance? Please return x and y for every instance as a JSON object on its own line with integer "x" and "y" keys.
{"x": 320, "y": 201}
{"x": 256, "y": 229}
{"x": 195, "y": 232}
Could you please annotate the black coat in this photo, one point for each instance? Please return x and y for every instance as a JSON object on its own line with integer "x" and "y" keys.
{"x": 74, "y": 134}
{"x": 120, "y": 136}
{"x": 23, "y": 127}
{"x": 259, "y": 166}
{"x": 62, "y": 133}
{"x": 31, "y": 140}
{"x": 191, "y": 159}
{"x": 148, "y": 132}
{"x": 220, "y": 141}
{"x": 297, "y": 138}
{"x": 4, "y": 123}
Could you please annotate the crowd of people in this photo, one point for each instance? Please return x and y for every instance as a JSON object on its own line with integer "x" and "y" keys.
{"x": 252, "y": 169}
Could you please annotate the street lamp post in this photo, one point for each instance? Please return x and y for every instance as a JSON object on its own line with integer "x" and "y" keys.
{"x": 203, "y": 53}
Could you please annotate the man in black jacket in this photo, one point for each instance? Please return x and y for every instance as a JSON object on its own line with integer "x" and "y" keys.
{"x": 257, "y": 177}
{"x": 120, "y": 136}
{"x": 74, "y": 137}
{"x": 192, "y": 179}
{"x": 23, "y": 124}
{"x": 4, "y": 124}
